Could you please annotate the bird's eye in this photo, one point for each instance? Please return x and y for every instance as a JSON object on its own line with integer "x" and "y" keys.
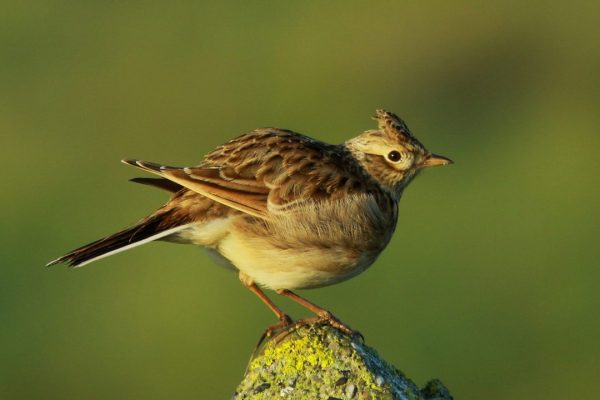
{"x": 394, "y": 156}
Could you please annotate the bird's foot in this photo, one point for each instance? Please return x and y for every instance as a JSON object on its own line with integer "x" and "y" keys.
{"x": 284, "y": 322}
{"x": 326, "y": 317}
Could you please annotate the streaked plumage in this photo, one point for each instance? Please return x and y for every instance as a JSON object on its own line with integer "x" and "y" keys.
{"x": 287, "y": 211}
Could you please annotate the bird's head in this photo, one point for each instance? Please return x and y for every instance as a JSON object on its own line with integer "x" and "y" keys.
{"x": 391, "y": 154}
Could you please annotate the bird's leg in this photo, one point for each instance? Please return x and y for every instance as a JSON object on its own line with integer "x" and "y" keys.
{"x": 284, "y": 319}
{"x": 323, "y": 315}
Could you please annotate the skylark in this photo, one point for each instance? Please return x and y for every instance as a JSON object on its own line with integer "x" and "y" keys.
{"x": 284, "y": 210}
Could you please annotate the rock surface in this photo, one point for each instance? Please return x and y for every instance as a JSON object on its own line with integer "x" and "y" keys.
{"x": 320, "y": 362}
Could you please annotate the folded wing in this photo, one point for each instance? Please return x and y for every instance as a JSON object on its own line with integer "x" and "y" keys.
{"x": 266, "y": 171}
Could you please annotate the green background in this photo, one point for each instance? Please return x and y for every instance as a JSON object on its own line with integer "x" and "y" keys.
{"x": 490, "y": 283}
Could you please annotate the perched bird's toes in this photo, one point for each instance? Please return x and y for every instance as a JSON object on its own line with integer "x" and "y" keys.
{"x": 336, "y": 323}
{"x": 359, "y": 336}
{"x": 282, "y": 327}
{"x": 326, "y": 317}
{"x": 284, "y": 322}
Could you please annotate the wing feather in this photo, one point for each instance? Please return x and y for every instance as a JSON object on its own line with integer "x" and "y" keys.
{"x": 221, "y": 191}
{"x": 268, "y": 170}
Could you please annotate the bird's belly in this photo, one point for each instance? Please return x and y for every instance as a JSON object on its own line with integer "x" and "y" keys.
{"x": 292, "y": 268}
{"x": 287, "y": 265}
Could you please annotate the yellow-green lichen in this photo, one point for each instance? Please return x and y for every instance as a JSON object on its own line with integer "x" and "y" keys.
{"x": 318, "y": 361}
{"x": 295, "y": 355}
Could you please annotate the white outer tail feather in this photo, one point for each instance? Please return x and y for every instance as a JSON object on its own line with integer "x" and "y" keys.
{"x": 132, "y": 245}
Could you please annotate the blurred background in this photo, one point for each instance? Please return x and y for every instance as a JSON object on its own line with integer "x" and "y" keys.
{"x": 490, "y": 283}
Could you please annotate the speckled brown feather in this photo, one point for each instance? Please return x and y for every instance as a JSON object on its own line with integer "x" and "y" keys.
{"x": 291, "y": 166}
{"x": 270, "y": 169}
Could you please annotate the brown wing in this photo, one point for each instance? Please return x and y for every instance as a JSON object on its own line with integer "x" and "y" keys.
{"x": 266, "y": 170}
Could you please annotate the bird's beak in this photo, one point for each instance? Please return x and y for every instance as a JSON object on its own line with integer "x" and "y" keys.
{"x": 433, "y": 160}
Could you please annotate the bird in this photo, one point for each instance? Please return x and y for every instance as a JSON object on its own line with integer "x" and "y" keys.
{"x": 285, "y": 211}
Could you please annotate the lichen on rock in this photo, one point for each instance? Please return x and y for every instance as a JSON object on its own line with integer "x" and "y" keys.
{"x": 320, "y": 362}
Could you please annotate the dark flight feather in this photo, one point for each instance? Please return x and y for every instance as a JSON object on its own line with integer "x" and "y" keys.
{"x": 160, "y": 183}
{"x": 156, "y": 226}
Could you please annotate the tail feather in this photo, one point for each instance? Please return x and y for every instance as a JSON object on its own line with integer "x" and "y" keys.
{"x": 152, "y": 228}
{"x": 160, "y": 183}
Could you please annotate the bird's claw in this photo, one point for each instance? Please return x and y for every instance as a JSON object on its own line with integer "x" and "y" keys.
{"x": 284, "y": 322}
{"x": 327, "y": 317}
